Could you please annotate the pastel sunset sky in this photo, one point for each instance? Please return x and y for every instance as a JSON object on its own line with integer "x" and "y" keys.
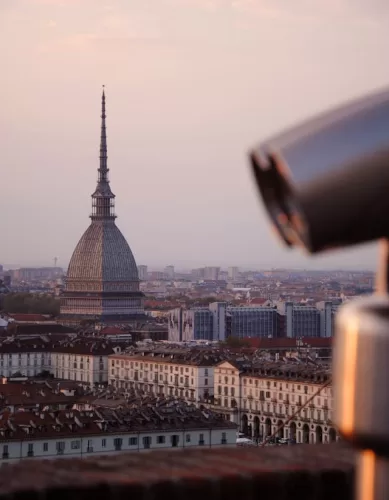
{"x": 190, "y": 85}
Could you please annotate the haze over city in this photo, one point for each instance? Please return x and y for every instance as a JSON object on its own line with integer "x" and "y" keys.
{"x": 191, "y": 85}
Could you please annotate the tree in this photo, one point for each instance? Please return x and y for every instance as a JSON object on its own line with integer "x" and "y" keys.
{"x": 29, "y": 303}
{"x": 235, "y": 342}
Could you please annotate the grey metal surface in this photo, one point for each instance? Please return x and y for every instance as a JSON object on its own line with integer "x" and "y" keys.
{"x": 361, "y": 370}
{"x": 333, "y": 140}
{"x": 324, "y": 183}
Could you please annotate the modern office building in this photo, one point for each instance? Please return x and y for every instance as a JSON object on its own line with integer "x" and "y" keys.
{"x": 253, "y": 322}
{"x": 219, "y": 321}
{"x": 327, "y": 311}
{"x": 300, "y": 320}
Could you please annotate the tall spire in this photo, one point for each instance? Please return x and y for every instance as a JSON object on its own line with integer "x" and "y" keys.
{"x": 103, "y": 170}
{"x": 103, "y": 203}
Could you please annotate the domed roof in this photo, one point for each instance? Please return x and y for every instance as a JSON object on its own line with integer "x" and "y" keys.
{"x": 102, "y": 254}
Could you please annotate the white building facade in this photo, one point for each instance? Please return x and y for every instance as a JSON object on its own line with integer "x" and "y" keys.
{"x": 30, "y": 447}
{"x": 263, "y": 405}
{"x": 81, "y": 361}
{"x": 163, "y": 376}
{"x": 88, "y": 368}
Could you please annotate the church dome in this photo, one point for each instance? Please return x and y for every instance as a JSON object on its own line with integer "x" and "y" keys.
{"x": 102, "y": 254}
{"x": 102, "y": 283}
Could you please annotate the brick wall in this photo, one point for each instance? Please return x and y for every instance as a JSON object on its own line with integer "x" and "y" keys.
{"x": 303, "y": 472}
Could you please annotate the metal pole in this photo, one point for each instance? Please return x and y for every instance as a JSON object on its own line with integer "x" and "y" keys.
{"x": 361, "y": 372}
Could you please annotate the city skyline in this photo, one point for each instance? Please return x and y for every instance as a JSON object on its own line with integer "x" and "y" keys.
{"x": 188, "y": 97}
{"x": 224, "y": 268}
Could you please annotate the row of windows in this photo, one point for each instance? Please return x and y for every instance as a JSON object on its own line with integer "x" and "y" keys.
{"x": 156, "y": 367}
{"x": 166, "y": 390}
{"x": 273, "y": 408}
{"x": 175, "y": 381}
{"x": 35, "y": 355}
{"x": 139, "y": 376}
{"x": 147, "y": 441}
{"x": 267, "y": 383}
{"x": 23, "y": 364}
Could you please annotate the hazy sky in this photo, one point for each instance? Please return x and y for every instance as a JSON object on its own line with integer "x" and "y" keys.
{"x": 191, "y": 85}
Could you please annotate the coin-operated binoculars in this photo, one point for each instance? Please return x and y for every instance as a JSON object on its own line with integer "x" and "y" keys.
{"x": 325, "y": 184}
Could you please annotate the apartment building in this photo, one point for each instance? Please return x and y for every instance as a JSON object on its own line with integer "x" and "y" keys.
{"x": 82, "y": 360}
{"x": 24, "y": 358}
{"x": 82, "y": 364}
{"x": 79, "y": 434}
{"x": 182, "y": 373}
{"x": 262, "y": 399}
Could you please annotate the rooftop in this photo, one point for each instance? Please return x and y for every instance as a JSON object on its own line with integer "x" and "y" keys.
{"x": 137, "y": 414}
{"x": 29, "y": 318}
{"x": 303, "y": 472}
{"x": 311, "y": 374}
{"x": 176, "y": 355}
{"x": 79, "y": 345}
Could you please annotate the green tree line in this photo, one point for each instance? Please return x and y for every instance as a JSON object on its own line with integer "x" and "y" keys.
{"x": 29, "y": 303}
{"x": 235, "y": 342}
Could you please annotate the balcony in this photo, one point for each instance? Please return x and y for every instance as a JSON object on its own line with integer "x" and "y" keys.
{"x": 292, "y": 472}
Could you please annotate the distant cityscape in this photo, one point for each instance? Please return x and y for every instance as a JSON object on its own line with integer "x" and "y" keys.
{"x": 110, "y": 356}
{"x": 212, "y": 304}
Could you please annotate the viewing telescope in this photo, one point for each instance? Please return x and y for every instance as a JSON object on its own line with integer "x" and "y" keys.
{"x": 325, "y": 185}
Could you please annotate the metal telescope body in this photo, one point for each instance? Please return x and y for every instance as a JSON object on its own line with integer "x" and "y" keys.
{"x": 325, "y": 184}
